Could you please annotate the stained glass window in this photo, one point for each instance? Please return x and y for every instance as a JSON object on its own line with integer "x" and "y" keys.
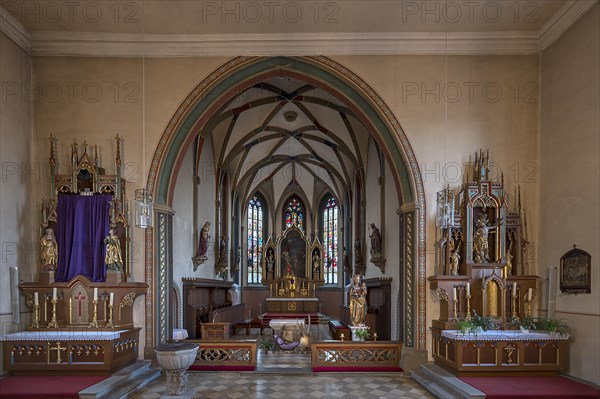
{"x": 255, "y": 239}
{"x": 330, "y": 218}
{"x": 294, "y": 213}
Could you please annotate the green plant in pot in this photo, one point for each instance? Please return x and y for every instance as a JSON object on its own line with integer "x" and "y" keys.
{"x": 465, "y": 326}
{"x": 265, "y": 345}
{"x": 363, "y": 333}
{"x": 482, "y": 323}
{"x": 554, "y": 326}
{"x": 526, "y": 324}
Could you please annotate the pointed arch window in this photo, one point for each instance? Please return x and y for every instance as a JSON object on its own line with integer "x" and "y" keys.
{"x": 294, "y": 212}
{"x": 256, "y": 233}
{"x": 330, "y": 228}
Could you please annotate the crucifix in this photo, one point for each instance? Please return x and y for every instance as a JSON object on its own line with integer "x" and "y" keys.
{"x": 79, "y": 298}
{"x": 58, "y": 349}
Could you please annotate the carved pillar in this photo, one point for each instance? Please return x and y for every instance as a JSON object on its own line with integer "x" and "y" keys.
{"x": 163, "y": 323}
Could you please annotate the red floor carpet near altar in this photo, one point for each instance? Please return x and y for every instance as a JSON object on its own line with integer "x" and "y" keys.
{"x": 45, "y": 386}
{"x": 531, "y": 387}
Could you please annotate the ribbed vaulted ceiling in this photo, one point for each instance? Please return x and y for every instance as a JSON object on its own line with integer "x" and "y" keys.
{"x": 320, "y": 143}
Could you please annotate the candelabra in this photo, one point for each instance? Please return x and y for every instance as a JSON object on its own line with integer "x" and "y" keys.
{"x": 468, "y": 316}
{"x": 53, "y": 323}
{"x": 109, "y": 323}
{"x": 514, "y": 306}
{"x": 455, "y": 301}
{"x": 36, "y": 317}
{"x": 94, "y": 322}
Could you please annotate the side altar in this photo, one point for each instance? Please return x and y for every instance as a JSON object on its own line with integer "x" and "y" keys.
{"x": 82, "y": 303}
{"x": 292, "y": 269}
{"x": 482, "y": 271}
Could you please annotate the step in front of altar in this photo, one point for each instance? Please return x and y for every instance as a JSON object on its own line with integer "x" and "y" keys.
{"x": 124, "y": 382}
{"x": 69, "y": 352}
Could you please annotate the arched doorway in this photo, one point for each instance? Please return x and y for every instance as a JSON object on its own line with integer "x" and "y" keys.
{"x": 322, "y": 72}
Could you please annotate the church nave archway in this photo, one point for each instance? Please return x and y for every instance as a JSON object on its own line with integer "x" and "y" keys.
{"x": 266, "y": 126}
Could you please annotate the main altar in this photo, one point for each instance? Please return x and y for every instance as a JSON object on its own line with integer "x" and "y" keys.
{"x": 292, "y": 269}
{"x": 82, "y": 303}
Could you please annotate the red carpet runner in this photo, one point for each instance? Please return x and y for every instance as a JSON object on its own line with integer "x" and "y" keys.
{"x": 531, "y": 387}
{"x": 45, "y": 386}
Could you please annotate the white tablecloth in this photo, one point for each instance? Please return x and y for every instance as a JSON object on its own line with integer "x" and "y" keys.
{"x": 502, "y": 335}
{"x": 81, "y": 335}
{"x": 179, "y": 334}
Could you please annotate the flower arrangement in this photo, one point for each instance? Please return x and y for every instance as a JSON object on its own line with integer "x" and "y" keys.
{"x": 526, "y": 324}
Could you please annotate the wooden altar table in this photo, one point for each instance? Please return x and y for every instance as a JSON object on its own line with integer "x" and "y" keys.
{"x": 293, "y": 305}
{"x": 499, "y": 352}
{"x": 75, "y": 351}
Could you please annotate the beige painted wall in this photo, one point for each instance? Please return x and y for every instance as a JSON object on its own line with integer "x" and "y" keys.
{"x": 569, "y": 209}
{"x": 18, "y": 173}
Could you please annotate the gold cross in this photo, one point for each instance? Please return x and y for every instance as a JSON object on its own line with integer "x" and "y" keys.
{"x": 58, "y": 349}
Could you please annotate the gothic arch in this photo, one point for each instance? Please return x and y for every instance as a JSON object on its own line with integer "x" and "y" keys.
{"x": 221, "y": 85}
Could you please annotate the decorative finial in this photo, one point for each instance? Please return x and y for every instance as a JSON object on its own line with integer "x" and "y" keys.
{"x": 52, "y": 158}
{"x": 574, "y": 246}
{"x": 118, "y": 152}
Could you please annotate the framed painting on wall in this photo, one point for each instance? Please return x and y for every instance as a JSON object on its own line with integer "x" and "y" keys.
{"x": 575, "y": 272}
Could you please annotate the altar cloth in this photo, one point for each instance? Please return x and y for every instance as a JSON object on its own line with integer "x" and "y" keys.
{"x": 79, "y": 335}
{"x": 503, "y": 335}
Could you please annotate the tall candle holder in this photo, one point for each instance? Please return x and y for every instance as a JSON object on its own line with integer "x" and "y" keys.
{"x": 455, "y": 302}
{"x": 94, "y": 322}
{"x": 54, "y": 322}
{"x": 109, "y": 323}
{"x": 468, "y": 316}
{"x": 514, "y": 307}
{"x": 36, "y": 316}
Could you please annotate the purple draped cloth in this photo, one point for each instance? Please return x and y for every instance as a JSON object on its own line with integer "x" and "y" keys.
{"x": 82, "y": 224}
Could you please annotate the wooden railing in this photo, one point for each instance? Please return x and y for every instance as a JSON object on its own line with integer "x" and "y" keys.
{"x": 230, "y": 355}
{"x": 354, "y": 356}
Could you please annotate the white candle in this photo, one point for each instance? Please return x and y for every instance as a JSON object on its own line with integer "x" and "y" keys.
{"x": 95, "y": 294}
{"x": 529, "y": 294}
{"x": 454, "y": 293}
{"x": 514, "y": 293}
{"x": 36, "y": 299}
{"x": 468, "y": 289}
{"x": 112, "y": 298}
{"x": 54, "y": 293}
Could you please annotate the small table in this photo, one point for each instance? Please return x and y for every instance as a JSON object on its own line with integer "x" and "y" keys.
{"x": 179, "y": 334}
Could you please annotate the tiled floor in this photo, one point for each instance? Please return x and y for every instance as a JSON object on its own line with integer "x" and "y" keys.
{"x": 256, "y": 385}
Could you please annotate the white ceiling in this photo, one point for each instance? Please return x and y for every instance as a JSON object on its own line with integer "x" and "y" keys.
{"x": 261, "y": 149}
{"x": 189, "y": 27}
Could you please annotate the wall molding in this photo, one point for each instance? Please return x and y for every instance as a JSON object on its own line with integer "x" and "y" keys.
{"x": 562, "y": 20}
{"x": 94, "y": 44}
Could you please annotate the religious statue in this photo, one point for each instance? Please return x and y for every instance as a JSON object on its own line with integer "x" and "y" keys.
{"x": 346, "y": 261}
{"x": 221, "y": 267}
{"x": 509, "y": 257}
{"x": 358, "y": 302}
{"x": 235, "y": 267}
{"x": 316, "y": 261}
{"x": 359, "y": 266}
{"x": 375, "y": 237}
{"x": 113, "y": 258}
{"x": 480, "y": 238}
{"x": 454, "y": 256}
{"x": 203, "y": 243}
{"x": 49, "y": 251}
{"x": 270, "y": 261}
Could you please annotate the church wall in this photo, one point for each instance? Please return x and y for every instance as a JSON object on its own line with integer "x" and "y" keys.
{"x": 206, "y": 209}
{"x": 19, "y": 172}
{"x": 569, "y": 202}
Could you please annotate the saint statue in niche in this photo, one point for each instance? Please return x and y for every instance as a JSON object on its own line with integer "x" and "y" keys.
{"x": 358, "y": 259}
{"x": 358, "y": 301}
{"x": 270, "y": 260}
{"x": 49, "y": 251}
{"x": 346, "y": 261}
{"x": 113, "y": 259}
{"x": 454, "y": 248}
{"x": 480, "y": 238}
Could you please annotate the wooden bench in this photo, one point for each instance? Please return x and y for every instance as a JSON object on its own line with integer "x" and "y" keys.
{"x": 337, "y": 329}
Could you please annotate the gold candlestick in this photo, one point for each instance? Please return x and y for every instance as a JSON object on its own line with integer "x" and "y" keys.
{"x": 53, "y": 323}
{"x": 94, "y": 322}
{"x": 468, "y": 316}
{"x": 341, "y": 336}
{"x": 514, "y": 307}
{"x": 455, "y": 301}
{"x": 109, "y": 323}
{"x": 374, "y": 336}
{"x": 36, "y": 317}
